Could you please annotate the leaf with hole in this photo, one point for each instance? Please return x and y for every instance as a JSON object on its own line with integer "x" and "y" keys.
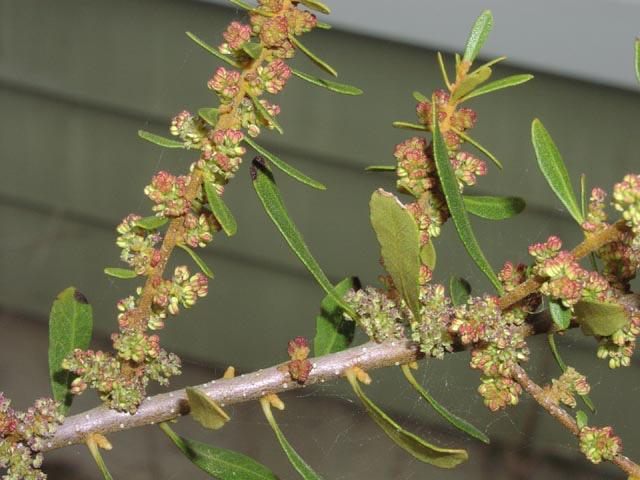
{"x": 158, "y": 140}
{"x": 334, "y": 332}
{"x": 220, "y": 210}
{"x": 120, "y": 273}
{"x": 478, "y": 36}
{"x": 328, "y": 84}
{"x": 196, "y": 258}
{"x": 319, "y": 62}
{"x": 493, "y": 208}
{"x": 498, "y": 85}
{"x": 416, "y": 446}
{"x": 205, "y": 411}
{"x": 600, "y": 318}
{"x": 213, "y": 51}
{"x": 218, "y": 462}
{"x": 70, "y": 327}
{"x": 399, "y": 239}
{"x": 553, "y": 168}
{"x": 459, "y": 289}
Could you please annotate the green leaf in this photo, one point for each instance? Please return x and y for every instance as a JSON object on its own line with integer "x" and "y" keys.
{"x": 581, "y": 419}
{"x": 95, "y": 453}
{"x": 196, "y": 258}
{"x": 220, "y": 210}
{"x": 554, "y": 169}
{"x": 399, "y": 239}
{"x": 158, "y": 140}
{"x": 296, "y": 460}
{"x": 320, "y": 63}
{"x": 316, "y": 5}
{"x": 498, "y": 85}
{"x": 471, "y": 81}
{"x": 70, "y": 326}
{"x": 120, "y": 273}
{"x": 381, "y": 168}
{"x": 563, "y": 366}
{"x": 322, "y": 25}
{"x": 328, "y": 84}
{"x": 334, "y": 333}
{"x": 264, "y": 113}
{"x": 254, "y": 50}
{"x": 283, "y": 166}
{"x": 209, "y": 115}
{"x": 218, "y": 462}
{"x": 560, "y": 314}
{"x": 454, "y": 420}
{"x": 213, "y": 51}
{"x": 638, "y": 59}
{"x": 493, "y": 208}
{"x": 428, "y": 255}
{"x": 410, "y": 126}
{"x": 269, "y": 194}
{"x": 416, "y": 446}
{"x": 151, "y": 223}
{"x": 456, "y": 206}
{"x": 479, "y": 33}
{"x": 600, "y": 318}
{"x": 421, "y": 97}
{"x": 459, "y": 289}
{"x": 473, "y": 142}
{"x": 205, "y": 411}
{"x": 443, "y": 71}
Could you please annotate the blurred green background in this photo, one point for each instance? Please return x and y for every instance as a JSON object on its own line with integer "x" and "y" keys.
{"x": 79, "y": 78}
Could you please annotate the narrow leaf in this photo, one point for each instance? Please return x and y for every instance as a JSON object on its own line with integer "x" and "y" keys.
{"x": 479, "y": 33}
{"x": 328, "y": 84}
{"x": 269, "y": 195}
{"x": 151, "y": 223}
{"x": 416, "y": 446}
{"x": 410, "y": 126}
{"x": 158, "y": 140}
{"x": 563, "y": 366}
{"x": 399, "y": 239}
{"x": 196, "y": 258}
{"x": 560, "y": 314}
{"x": 498, "y": 85}
{"x": 554, "y": 169}
{"x": 218, "y": 462}
{"x": 471, "y": 81}
{"x": 283, "y": 166}
{"x": 581, "y": 419}
{"x": 220, "y": 210}
{"x": 381, "y": 168}
{"x": 70, "y": 326}
{"x": 473, "y": 142}
{"x": 456, "y": 206}
{"x": 316, "y": 5}
{"x": 334, "y": 332}
{"x": 209, "y": 115}
{"x": 320, "y": 63}
{"x": 296, "y": 460}
{"x": 254, "y": 50}
{"x": 205, "y": 411}
{"x": 264, "y": 113}
{"x": 421, "y": 97}
{"x": 459, "y": 289}
{"x": 120, "y": 273}
{"x": 322, "y": 25}
{"x": 493, "y": 208}
{"x": 97, "y": 456}
{"x": 638, "y": 59}
{"x": 600, "y": 318}
{"x": 443, "y": 71}
{"x": 454, "y": 420}
{"x": 213, "y": 51}
{"x": 428, "y": 255}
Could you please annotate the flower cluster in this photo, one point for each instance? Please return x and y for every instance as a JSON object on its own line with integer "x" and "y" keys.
{"x": 626, "y": 198}
{"x": 380, "y": 316}
{"x": 563, "y": 389}
{"x": 432, "y": 331}
{"x": 23, "y": 436}
{"x": 190, "y": 129}
{"x": 299, "y": 366}
{"x": 619, "y": 346}
{"x": 169, "y": 193}
{"x": 137, "y": 245}
{"x": 599, "y": 444}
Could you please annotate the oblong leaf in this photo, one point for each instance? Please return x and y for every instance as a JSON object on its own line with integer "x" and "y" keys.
{"x": 252, "y": 49}
{"x": 456, "y": 206}
{"x": 600, "y": 318}
{"x": 322, "y": 25}
{"x": 213, "y": 51}
{"x": 459, "y": 290}
{"x": 209, "y": 115}
{"x": 284, "y": 166}
{"x": 219, "y": 462}
{"x": 560, "y": 314}
{"x": 205, "y": 411}
{"x": 151, "y": 223}
{"x": 410, "y": 126}
{"x": 269, "y": 195}
{"x": 454, "y": 420}
{"x": 320, "y": 63}
{"x": 158, "y": 140}
{"x": 196, "y": 258}
{"x": 416, "y": 446}
{"x": 582, "y": 420}
{"x": 220, "y": 210}
{"x": 264, "y": 113}
{"x": 328, "y": 84}
{"x": 70, "y": 327}
{"x": 334, "y": 333}
{"x": 316, "y": 5}
{"x": 296, "y": 460}
{"x": 399, "y": 238}
{"x": 479, "y": 33}
{"x": 381, "y": 168}
{"x": 554, "y": 169}
{"x": 511, "y": 81}
{"x": 493, "y": 208}
{"x": 120, "y": 273}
